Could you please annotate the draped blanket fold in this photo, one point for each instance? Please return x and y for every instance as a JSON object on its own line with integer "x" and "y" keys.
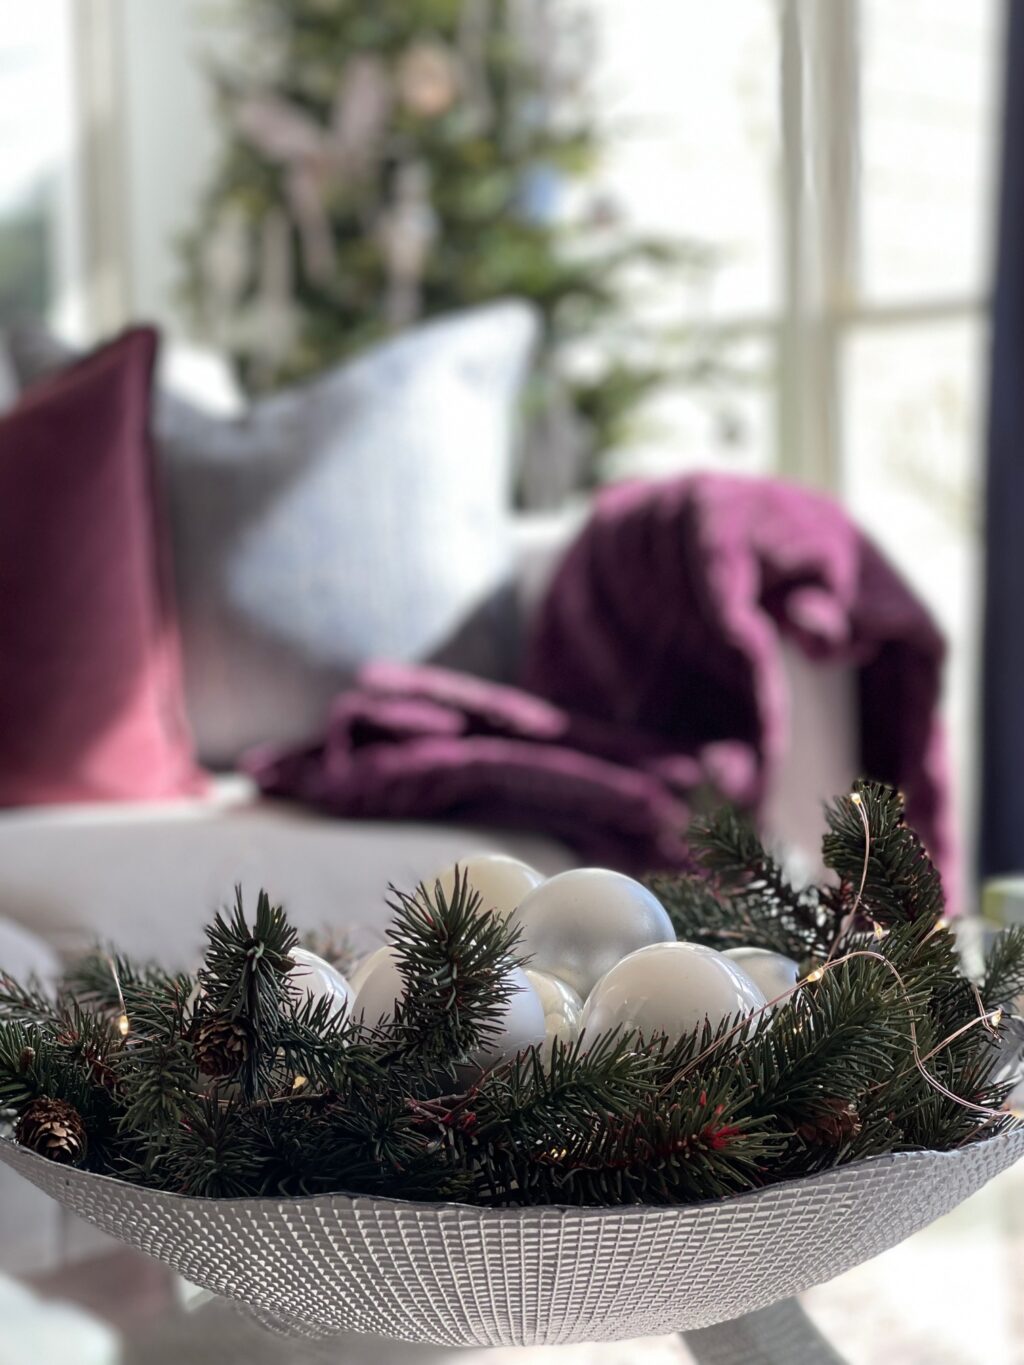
{"x": 652, "y": 683}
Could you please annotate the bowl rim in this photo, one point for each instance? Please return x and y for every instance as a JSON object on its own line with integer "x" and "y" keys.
{"x": 1012, "y": 1135}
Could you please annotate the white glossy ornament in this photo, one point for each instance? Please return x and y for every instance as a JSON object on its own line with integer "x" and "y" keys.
{"x": 364, "y": 967}
{"x": 522, "y": 1026}
{"x": 579, "y": 924}
{"x": 774, "y": 973}
{"x": 318, "y": 980}
{"x": 501, "y": 881}
{"x": 670, "y": 988}
{"x": 380, "y": 986}
{"x": 562, "y": 1006}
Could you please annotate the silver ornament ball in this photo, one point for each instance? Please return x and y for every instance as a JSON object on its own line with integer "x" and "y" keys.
{"x": 502, "y": 882}
{"x": 562, "y": 1006}
{"x": 377, "y": 985}
{"x": 580, "y": 923}
{"x": 316, "y": 979}
{"x": 669, "y": 988}
{"x": 774, "y": 973}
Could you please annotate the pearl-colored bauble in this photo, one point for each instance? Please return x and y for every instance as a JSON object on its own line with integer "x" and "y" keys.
{"x": 316, "y": 979}
{"x": 670, "y": 988}
{"x": 379, "y": 986}
{"x": 502, "y": 882}
{"x": 561, "y": 1004}
{"x": 522, "y": 1025}
{"x": 579, "y": 924}
{"x": 774, "y": 973}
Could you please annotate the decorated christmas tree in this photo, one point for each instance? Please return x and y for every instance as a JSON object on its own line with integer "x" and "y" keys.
{"x": 393, "y": 161}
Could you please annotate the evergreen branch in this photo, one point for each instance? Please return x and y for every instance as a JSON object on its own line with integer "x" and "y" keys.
{"x": 155, "y": 1068}
{"x": 901, "y": 883}
{"x": 753, "y": 881}
{"x": 1004, "y": 968}
{"x": 701, "y": 1145}
{"x": 455, "y": 960}
{"x": 700, "y": 915}
{"x": 28, "y": 1003}
{"x": 94, "y": 979}
{"x": 245, "y": 968}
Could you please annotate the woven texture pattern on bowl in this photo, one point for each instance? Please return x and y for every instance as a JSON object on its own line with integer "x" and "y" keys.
{"x": 460, "y": 1276}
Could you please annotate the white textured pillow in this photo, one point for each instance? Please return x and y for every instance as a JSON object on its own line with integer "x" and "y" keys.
{"x": 363, "y": 514}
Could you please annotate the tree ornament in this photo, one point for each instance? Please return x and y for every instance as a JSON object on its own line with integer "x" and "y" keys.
{"x": 838, "y": 1122}
{"x": 774, "y": 973}
{"x": 54, "y": 1129}
{"x": 316, "y": 979}
{"x": 221, "y": 1046}
{"x": 522, "y": 1025}
{"x": 670, "y": 988}
{"x": 501, "y": 882}
{"x": 561, "y": 1004}
{"x": 579, "y": 924}
{"x": 427, "y": 79}
{"x": 377, "y": 984}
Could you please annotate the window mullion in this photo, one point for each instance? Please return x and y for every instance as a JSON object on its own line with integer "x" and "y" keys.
{"x": 820, "y": 230}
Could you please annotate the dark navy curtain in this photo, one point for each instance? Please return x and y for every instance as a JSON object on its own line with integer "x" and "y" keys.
{"x": 1001, "y": 839}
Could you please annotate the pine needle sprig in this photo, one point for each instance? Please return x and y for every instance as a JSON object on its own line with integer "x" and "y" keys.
{"x": 155, "y": 1067}
{"x": 28, "y": 1002}
{"x": 1003, "y": 980}
{"x": 782, "y": 917}
{"x": 901, "y": 881}
{"x": 210, "y": 1152}
{"x": 29, "y": 1065}
{"x": 700, "y": 915}
{"x": 245, "y": 968}
{"x": 699, "y": 1145}
{"x": 455, "y": 960}
{"x": 100, "y": 978}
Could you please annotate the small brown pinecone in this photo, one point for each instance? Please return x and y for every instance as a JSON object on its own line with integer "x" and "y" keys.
{"x": 221, "y": 1046}
{"x": 55, "y": 1130}
{"x": 835, "y": 1125}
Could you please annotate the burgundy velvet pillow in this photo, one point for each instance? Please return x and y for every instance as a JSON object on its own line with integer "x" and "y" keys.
{"x": 90, "y": 691}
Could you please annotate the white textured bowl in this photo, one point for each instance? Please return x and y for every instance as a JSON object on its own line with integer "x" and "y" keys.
{"x": 460, "y": 1276}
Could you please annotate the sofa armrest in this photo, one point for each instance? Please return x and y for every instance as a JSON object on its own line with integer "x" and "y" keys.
{"x": 539, "y": 540}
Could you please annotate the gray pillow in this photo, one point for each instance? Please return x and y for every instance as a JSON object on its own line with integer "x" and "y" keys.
{"x": 364, "y": 514}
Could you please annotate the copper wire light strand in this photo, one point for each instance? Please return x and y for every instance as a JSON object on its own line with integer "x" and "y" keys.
{"x": 123, "y": 1024}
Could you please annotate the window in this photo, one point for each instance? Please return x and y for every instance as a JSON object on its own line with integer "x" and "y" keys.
{"x": 839, "y": 156}
{"x": 39, "y": 229}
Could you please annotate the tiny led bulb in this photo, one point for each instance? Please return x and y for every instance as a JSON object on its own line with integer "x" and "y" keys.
{"x": 817, "y": 974}
{"x": 300, "y": 1083}
{"x": 123, "y": 1026}
{"x": 855, "y": 798}
{"x": 996, "y": 1018}
{"x": 879, "y": 931}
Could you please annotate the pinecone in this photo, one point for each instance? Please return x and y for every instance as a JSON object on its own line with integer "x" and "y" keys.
{"x": 221, "y": 1046}
{"x": 55, "y": 1130}
{"x": 833, "y": 1127}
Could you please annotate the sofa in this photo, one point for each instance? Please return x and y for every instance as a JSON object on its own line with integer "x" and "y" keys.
{"x": 304, "y": 538}
{"x": 147, "y": 876}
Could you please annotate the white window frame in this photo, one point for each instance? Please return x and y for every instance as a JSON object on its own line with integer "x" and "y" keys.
{"x": 822, "y": 302}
